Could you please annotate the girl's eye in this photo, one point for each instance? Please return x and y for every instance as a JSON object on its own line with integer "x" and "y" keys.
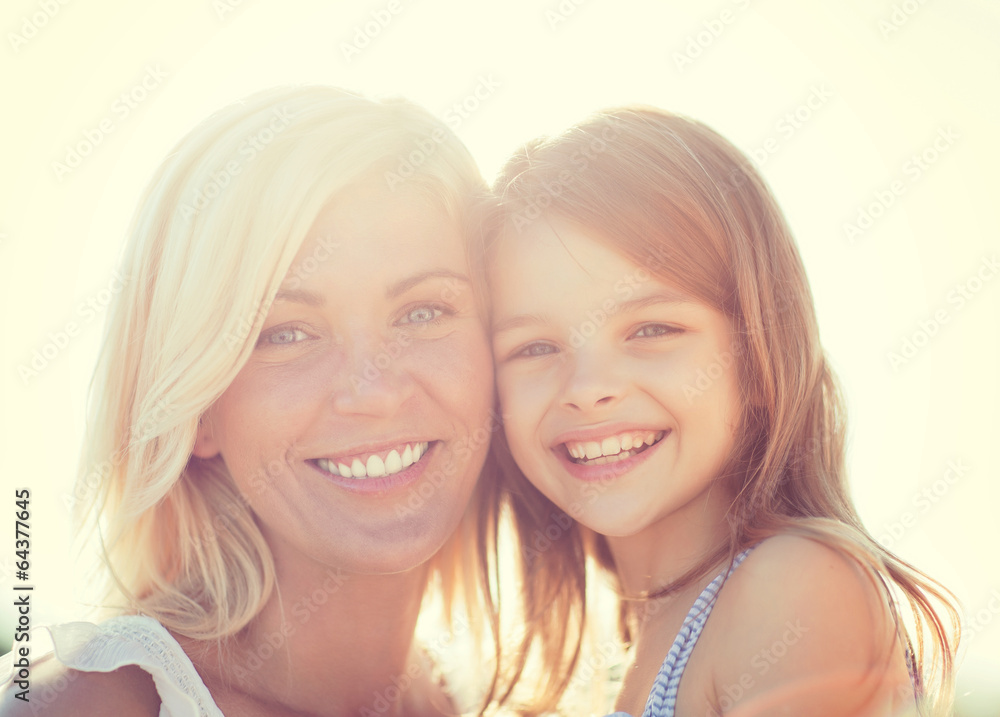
{"x": 537, "y": 349}
{"x": 278, "y": 337}
{"x": 421, "y": 315}
{"x": 650, "y": 331}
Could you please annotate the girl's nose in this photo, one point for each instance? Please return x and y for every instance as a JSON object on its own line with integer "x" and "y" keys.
{"x": 592, "y": 383}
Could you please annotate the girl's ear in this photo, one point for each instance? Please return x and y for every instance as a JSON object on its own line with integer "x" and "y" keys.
{"x": 205, "y": 444}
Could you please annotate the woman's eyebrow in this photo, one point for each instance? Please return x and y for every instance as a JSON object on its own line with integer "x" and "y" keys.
{"x": 301, "y": 296}
{"x": 310, "y": 298}
{"x": 404, "y": 285}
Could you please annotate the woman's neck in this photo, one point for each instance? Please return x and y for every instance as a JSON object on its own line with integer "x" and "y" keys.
{"x": 329, "y": 643}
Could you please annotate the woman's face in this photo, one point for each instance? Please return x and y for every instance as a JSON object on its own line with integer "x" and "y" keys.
{"x": 358, "y": 427}
{"x": 619, "y": 393}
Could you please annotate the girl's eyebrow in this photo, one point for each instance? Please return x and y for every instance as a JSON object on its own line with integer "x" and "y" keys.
{"x": 664, "y": 296}
{"x": 517, "y": 321}
{"x": 612, "y": 306}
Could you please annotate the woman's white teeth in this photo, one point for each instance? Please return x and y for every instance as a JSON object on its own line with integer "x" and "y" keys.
{"x": 376, "y": 466}
{"x": 629, "y": 443}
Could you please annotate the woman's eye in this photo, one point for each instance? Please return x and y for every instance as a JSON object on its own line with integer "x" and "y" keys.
{"x": 650, "y": 331}
{"x": 283, "y": 336}
{"x": 421, "y": 315}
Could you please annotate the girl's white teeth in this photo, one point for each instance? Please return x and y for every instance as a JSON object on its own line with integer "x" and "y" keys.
{"x": 612, "y": 446}
{"x": 376, "y": 466}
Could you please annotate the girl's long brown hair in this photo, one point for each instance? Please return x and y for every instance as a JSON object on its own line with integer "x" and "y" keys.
{"x": 678, "y": 199}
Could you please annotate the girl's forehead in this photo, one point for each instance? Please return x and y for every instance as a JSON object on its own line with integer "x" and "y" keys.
{"x": 556, "y": 248}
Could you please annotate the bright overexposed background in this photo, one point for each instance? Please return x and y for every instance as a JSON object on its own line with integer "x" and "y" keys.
{"x": 868, "y": 84}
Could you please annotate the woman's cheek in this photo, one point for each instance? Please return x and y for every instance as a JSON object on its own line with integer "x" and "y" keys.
{"x": 458, "y": 368}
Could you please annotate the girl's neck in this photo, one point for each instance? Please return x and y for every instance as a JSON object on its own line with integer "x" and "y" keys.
{"x": 667, "y": 549}
{"x": 328, "y": 642}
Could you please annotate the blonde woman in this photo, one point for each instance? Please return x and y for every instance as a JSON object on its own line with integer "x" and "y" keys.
{"x": 290, "y": 413}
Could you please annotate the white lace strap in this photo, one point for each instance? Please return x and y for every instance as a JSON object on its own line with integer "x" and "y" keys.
{"x": 140, "y": 641}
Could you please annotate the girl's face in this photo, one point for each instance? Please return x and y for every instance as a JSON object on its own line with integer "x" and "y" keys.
{"x": 358, "y": 427}
{"x": 619, "y": 393}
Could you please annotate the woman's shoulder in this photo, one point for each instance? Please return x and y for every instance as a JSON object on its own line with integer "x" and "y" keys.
{"x": 131, "y": 664}
{"x": 59, "y": 690}
{"x": 800, "y": 616}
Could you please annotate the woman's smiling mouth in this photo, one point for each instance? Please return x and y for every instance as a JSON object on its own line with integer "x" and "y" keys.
{"x": 374, "y": 465}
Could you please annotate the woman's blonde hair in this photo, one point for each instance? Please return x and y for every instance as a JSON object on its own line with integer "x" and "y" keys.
{"x": 212, "y": 240}
{"x": 678, "y": 199}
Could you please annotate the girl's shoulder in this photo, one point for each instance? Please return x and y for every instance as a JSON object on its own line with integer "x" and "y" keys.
{"x": 801, "y": 620}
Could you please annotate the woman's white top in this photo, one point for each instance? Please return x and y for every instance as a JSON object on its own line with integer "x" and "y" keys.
{"x": 121, "y": 641}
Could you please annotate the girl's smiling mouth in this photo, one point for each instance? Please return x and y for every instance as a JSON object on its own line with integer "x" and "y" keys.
{"x": 613, "y": 448}
{"x": 606, "y": 453}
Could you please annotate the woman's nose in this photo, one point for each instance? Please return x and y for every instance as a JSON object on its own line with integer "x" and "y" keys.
{"x": 371, "y": 378}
